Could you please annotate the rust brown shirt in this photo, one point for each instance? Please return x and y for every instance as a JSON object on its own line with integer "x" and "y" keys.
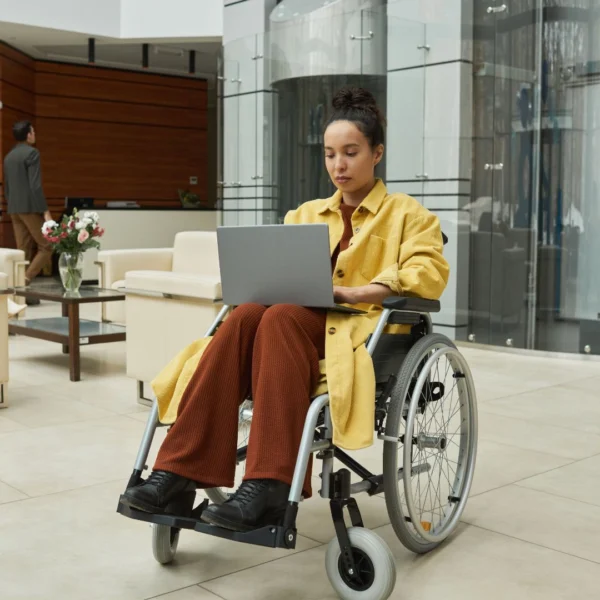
{"x": 347, "y": 212}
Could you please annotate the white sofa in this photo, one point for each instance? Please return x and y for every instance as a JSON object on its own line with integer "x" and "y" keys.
{"x": 3, "y": 340}
{"x": 173, "y": 295}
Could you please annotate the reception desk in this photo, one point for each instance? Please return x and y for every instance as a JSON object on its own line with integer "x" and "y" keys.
{"x": 129, "y": 228}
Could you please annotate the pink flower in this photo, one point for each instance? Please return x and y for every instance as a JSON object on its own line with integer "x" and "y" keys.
{"x": 71, "y": 224}
{"x": 83, "y": 236}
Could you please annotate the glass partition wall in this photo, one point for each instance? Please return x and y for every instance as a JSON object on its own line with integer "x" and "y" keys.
{"x": 528, "y": 195}
{"x": 535, "y": 203}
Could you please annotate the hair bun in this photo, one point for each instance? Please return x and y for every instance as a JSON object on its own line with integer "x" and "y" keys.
{"x": 354, "y": 98}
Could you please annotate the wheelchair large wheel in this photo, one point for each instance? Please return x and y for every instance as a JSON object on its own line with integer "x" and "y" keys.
{"x": 428, "y": 472}
{"x": 374, "y": 561}
{"x": 219, "y": 495}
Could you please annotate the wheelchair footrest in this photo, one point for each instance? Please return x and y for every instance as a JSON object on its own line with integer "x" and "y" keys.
{"x": 163, "y": 519}
{"x": 270, "y": 536}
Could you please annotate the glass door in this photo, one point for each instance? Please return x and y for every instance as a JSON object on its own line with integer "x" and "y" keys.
{"x": 505, "y": 192}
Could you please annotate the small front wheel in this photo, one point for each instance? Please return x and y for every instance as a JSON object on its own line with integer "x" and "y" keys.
{"x": 164, "y": 543}
{"x": 376, "y": 569}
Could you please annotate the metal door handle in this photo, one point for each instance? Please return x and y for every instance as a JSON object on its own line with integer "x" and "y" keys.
{"x": 421, "y": 176}
{"x": 363, "y": 37}
{"x": 497, "y": 9}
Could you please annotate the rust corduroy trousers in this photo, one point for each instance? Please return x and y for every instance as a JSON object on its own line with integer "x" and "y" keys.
{"x": 271, "y": 352}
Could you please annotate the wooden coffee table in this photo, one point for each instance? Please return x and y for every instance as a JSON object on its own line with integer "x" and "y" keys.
{"x": 69, "y": 330}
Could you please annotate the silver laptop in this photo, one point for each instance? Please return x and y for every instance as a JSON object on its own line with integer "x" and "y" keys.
{"x": 277, "y": 264}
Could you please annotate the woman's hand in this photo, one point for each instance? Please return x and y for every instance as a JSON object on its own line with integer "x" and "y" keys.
{"x": 345, "y": 295}
{"x": 374, "y": 293}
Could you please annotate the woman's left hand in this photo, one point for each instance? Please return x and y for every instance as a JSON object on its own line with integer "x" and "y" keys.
{"x": 374, "y": 293}
{"x": 344, "y": 295}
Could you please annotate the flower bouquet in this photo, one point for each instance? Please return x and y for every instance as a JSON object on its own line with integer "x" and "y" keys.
{"x": 70, "y": 239}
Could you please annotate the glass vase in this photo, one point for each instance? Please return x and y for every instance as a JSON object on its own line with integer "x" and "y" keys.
{"x": 70, "y": 267}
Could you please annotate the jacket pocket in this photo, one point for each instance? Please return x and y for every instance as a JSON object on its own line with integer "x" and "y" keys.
{"x": 371, "y": 264}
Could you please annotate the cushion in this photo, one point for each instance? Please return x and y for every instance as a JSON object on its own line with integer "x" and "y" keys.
{"x": 196, "y": 252}
{"x": 177, "y": 284}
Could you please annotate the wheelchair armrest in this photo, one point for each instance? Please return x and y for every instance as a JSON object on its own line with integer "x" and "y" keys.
{"x": 420, "y": 305}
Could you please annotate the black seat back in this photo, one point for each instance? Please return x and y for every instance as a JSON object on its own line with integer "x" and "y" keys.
{"x": 389, "y": 355}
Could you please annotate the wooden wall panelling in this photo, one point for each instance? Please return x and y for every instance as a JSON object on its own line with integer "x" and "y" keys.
{"x": 106, "y": 133}
{"x": 17, "y": 92}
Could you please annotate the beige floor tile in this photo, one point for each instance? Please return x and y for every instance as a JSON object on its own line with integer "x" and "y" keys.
{"x": 558, "y": 405}
{"x": 474, "y": 564}
{"x": 530, "y": 435}
{"x": 10, "y": 494}
{"x": 591, "y": 384}
{"x": 53, "y": 459}
{"x": 191, "y": 593}
{"x": 579, "y": 481}
{"x": 140, "y": 415}
{"x": 51, "y": 409}
{"x": 500, "y": 464}
{"x": 501, "y": 375}
{"x": 7, "y": 425}
{"x": 74, "y": 545}
{"x": 115, "y": 395}
{"x": 558, "y": 523}
{"x": 33, "y": 374}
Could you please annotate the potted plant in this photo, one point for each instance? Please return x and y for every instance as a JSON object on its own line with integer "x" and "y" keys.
{"x": 70, "y": 239}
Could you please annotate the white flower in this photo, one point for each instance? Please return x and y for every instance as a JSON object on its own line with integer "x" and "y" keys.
{"x": 83, "y": 223}
{"x": 93, "y": 216}
{"x": 47, "y": 226}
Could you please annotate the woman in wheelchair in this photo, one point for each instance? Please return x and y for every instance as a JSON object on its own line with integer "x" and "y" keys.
{"x": 382, "y": 244}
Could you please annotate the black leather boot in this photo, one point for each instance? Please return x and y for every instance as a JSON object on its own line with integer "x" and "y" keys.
{"x": 158, "y": 491}
{"x": 256, "y": 503}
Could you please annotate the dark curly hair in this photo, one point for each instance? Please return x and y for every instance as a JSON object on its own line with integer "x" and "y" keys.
{"x": 359, "y": 106}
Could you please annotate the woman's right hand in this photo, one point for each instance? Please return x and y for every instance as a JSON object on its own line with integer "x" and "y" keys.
{"x": 344, "y": 295}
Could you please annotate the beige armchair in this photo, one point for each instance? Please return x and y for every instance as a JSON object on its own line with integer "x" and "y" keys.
{"x": 173, "y": 295}
{"x": 13, "y": 265}
{"x": 3, "y": 340}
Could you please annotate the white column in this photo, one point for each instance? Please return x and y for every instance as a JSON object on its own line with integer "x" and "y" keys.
{"x": 247, "y": 102}
{"x": 429, "y": 129}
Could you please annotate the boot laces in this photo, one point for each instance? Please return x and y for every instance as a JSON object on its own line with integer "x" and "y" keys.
{"x": 159, "y": 478}
{"x": 249, "y": 489}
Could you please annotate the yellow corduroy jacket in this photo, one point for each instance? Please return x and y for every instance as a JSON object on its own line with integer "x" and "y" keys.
{"x": 396, "y": 242}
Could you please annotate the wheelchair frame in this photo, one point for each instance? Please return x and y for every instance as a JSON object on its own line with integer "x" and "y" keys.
{"x": 336, "y": 486}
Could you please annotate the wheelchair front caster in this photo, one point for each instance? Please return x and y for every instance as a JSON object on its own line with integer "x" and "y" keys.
{"x": 376, "y": 569}
{"x": 164, "y": 543}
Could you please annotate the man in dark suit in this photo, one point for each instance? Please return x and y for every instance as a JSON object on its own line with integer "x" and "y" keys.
{"x": 27, "y": 205}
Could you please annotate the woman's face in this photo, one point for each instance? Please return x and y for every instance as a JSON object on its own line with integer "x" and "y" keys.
{"x": 349, "y": 158}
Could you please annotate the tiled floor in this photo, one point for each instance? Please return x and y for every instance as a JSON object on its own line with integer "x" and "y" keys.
{"x": 530, "y": 531}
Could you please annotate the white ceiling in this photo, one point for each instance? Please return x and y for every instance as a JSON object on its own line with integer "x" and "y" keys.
{"x": 166, "y": 56}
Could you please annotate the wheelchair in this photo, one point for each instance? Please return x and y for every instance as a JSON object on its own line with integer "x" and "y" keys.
{"x": 426, "y": 417}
